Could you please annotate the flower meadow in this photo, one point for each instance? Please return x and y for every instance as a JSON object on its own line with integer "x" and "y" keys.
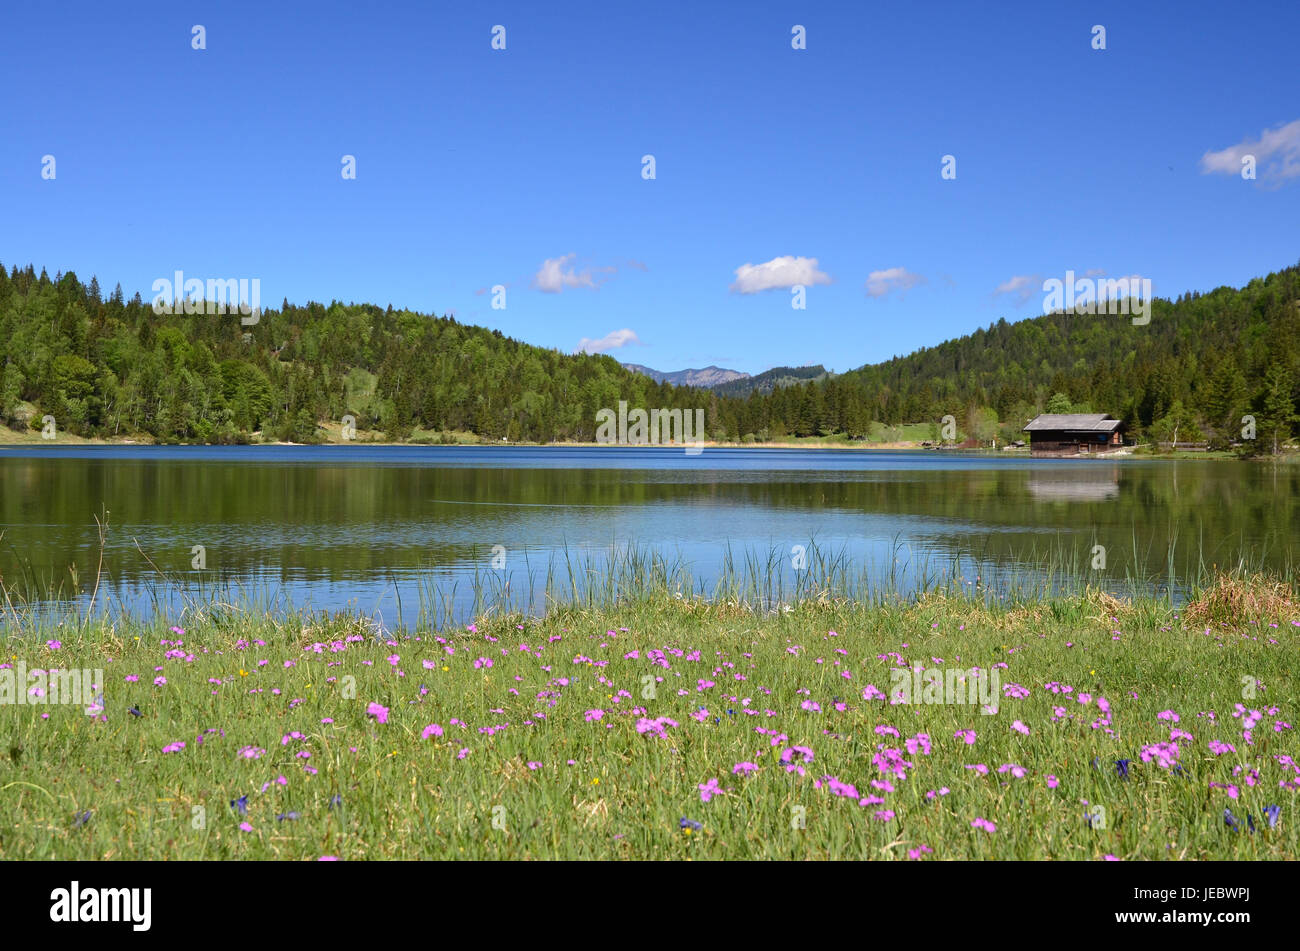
{"x": 662, "y": 731}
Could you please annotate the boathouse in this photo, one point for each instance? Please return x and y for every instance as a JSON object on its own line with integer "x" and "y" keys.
{"x": 1066, "y": 434}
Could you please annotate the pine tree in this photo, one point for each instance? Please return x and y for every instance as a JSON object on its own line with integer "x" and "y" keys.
{"x": 1279, "y": 405}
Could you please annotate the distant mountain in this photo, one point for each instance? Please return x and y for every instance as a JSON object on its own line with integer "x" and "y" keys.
{"x": 707, "y": 378}
{"x": 772, "y": 379}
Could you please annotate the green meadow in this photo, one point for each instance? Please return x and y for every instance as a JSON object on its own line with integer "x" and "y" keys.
{"x": 656, "y": 727}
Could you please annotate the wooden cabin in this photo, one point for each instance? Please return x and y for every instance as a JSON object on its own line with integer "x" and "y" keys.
{"x": 1067, "y": 434}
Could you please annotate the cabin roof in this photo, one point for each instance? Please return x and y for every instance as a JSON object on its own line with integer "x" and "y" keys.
{"x": 1072, "y": 422}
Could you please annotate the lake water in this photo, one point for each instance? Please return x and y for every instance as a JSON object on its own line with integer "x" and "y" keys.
{"x": 327, "y": 528}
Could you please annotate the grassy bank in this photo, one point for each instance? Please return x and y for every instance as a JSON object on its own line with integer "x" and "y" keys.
{"x": 907, "y": 437}
{"x": 1121, "y": 729}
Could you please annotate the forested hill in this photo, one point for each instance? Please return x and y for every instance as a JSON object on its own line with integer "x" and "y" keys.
{"x": 105, "y": 366}
{"x": 1203, "y": 358}
{"x": 769, "y": 380}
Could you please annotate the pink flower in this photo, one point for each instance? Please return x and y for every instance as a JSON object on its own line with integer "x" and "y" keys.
{"x": 1052, "y": 781}
{"x": 482, "y": 662}
{"x": 967, "y": 735}
{"x": 744, "y": 769}
{"x": 709, "y": 790}
{"x": 983, "y": 824}
{"x": 463, "y": 753}
{"x": 793, "y": 765}
{"x": 432, "y": 729}
{"x": 245, "y": 827}
{"x": 916, "y": 853}
{"x": 1020, "y": 727}
{"x": 594, "y": 715}
{"x": 174, "y": 747}
{"x": 869, "y": 692}
{"x": 884, "y": 815}
{"x": 838, "y": 787}
{"x": 380, "y": 713}
{"x": 919, "y": 742}
{"x": 655, "y": 726}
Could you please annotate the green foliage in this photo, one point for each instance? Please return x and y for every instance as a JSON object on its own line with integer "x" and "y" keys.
{"x": 1278, "y": 406}
{"x": 982, "y": 423}
{"x": 109, "y": 367}
{"x": 1059, "y": 403}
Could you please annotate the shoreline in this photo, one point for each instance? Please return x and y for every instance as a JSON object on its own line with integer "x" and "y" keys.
{"x": 10, "y": 439}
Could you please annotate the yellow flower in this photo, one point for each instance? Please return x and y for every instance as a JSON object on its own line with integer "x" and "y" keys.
{"x": 242, "y": 672}
{"x": 448, "y": 668}
{"x": 1092, "y": 671}
{"x": 687, "y": 831}
{"x": 595, "y": 781}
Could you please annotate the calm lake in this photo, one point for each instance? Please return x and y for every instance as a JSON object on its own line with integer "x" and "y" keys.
{"x": 369, "y": 528}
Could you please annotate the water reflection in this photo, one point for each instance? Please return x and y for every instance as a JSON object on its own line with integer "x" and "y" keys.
{"x": 342, "y": 526}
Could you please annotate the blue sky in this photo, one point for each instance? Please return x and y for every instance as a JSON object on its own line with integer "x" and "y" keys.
{"x": 522, "y": 167}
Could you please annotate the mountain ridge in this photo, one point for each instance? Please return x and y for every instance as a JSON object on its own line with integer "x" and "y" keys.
{"x": 704, "y": 377}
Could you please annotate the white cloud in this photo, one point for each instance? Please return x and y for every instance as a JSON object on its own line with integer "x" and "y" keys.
{"x": 881, "y": 283}
{"x": 553, "y": 278}
{"x": 1023, "y": 286}
{"x": 784, "y": 271}
{"x": 1276, "y": 152}
{"x": 611, "y": 341}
